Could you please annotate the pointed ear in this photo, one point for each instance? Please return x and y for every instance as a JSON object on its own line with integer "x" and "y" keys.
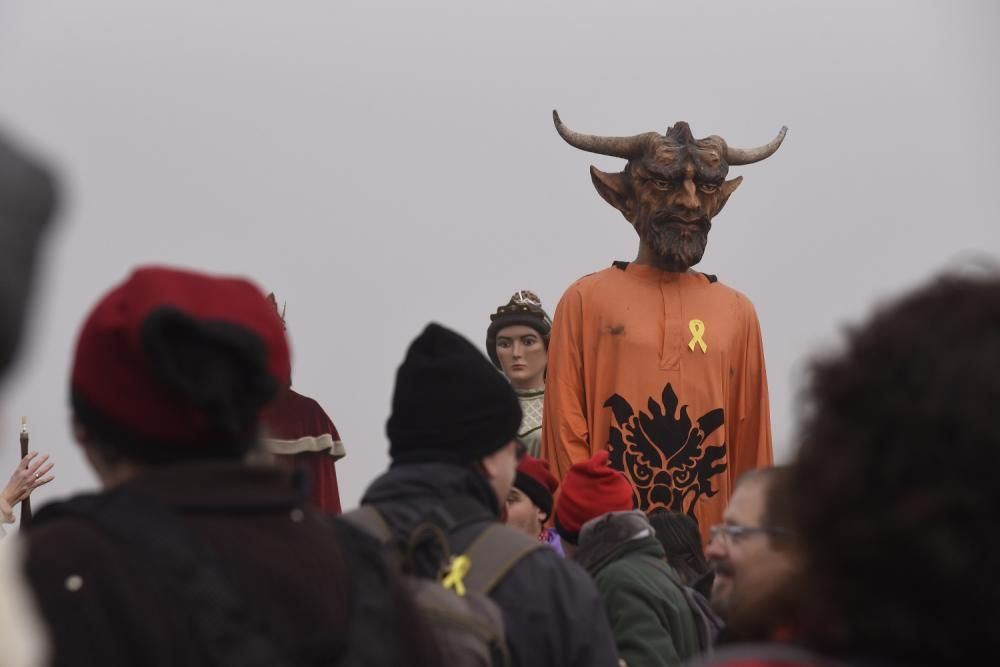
{"x": 614, "y": 190}
{"x": 729, "y": 187}
{"x": 726, "y": 189}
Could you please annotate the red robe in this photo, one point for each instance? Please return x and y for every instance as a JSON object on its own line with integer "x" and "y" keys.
{"x": 300, "y": 432}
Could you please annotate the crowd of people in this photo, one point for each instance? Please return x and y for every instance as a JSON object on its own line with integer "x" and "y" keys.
{"x": 529, "y": 515}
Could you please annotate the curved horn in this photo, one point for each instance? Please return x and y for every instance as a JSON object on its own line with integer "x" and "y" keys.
{"x": 735, "y": 156}
{"x": 623, "y": 147}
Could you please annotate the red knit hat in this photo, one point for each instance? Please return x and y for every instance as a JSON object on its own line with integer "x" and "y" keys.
{"x": 180, "y": 358}
{"x": 535, "y": 480}
{"x": 589, "y": 490}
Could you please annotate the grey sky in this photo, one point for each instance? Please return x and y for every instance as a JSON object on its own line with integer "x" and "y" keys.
{"x": 380, "y": 165}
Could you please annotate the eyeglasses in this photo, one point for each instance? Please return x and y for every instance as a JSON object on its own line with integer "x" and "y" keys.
{"x": 732, "y": 534}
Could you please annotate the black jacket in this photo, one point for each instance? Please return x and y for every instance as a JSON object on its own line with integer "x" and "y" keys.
{"x": 105, "y": 604}
{"x": 553, "y": 614}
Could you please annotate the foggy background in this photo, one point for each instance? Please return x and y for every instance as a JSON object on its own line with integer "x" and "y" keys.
{"x": 383, "y": 164}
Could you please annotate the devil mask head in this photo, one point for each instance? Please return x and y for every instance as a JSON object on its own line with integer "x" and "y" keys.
{"x": 672, "y": 186}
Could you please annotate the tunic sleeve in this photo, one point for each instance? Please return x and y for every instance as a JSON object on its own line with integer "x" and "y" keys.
{"x": 565, "y": 435}
{"x": 750, "y": 445}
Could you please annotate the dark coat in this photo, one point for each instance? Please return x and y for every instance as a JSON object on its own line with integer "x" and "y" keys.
{"x": 106, "y": 605}
{"x": 553, "y": 615}
{"x": 653, "y": 623}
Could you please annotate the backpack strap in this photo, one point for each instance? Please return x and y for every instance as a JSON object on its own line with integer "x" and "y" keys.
{"x": 422, "y": 550}
{"x": 373, "y": 607}
{"x": 230, "y": 630}
{"x": 494, "y": 551}
{"x": 493, "y": 554}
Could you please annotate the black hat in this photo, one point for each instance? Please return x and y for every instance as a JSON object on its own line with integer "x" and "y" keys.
{"x": 449, "y": 403}
{"x": 524, "y": 308}
{"x": 535, "y": 480}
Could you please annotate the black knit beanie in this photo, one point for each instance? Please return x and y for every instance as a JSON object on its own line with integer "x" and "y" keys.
{"x": 449, "y": 404}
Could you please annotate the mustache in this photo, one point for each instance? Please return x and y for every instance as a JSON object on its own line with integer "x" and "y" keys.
{"x": 719, "y": 567}
{"x": 666, "y": 218}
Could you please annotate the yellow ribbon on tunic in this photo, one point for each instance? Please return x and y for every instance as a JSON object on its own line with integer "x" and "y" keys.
{"x": 457, "y": 570}
{"x": 697, "y": 328}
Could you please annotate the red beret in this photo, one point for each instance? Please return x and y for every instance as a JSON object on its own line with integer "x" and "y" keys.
{"x": 117, "y": 372}
{"x": 535, "y": 480}
{"x": 589, "y": 490}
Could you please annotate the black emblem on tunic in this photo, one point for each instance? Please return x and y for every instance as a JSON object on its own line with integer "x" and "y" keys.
{"x": 663, "y": 454}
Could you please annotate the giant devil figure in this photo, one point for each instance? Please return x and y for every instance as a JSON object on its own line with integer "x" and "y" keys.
{"x": 657, "y": 363}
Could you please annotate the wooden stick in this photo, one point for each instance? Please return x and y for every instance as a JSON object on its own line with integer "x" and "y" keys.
{"x": 26, "y": 503}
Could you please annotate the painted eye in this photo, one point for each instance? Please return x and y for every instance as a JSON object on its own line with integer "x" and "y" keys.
{"x": 708, "y": 188}
{"x": 661, "y": 184}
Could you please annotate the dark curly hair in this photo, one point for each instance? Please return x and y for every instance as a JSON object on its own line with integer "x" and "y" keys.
{"x": 678, "y": 534}
{"x": 896, "y": 502}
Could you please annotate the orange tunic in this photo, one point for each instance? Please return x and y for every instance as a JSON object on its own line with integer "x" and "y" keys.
{"x": 666, "y": 370}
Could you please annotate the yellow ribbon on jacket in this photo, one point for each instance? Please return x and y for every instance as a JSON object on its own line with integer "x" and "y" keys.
{"x": 697, "y": 328}
{"x": 457, "y": 570}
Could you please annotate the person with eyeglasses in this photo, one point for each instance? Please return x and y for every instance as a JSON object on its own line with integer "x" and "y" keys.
{"x": 891, "y": 501}
{"x": 751, "y": 559}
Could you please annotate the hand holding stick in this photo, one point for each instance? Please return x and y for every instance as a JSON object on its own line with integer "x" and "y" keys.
{"x": 31, "y": 473}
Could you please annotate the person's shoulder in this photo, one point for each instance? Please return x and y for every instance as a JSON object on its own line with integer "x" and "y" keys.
{"x": 591, "y": 289}
{"x": 718, "y": 285}
{"x": 67, "y": 552}
{"x": 625, "y": 570}
{"x": 65, "y": 538}
{"x": 547, "y": 569}
{"x": 640, "y": 575}
{"x": 307, "y": 403}
{"x": 739, "y": 302}
{"x": 597, "y": 278}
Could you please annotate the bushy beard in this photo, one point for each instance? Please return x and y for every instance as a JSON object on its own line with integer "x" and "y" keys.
{"x": 676, "y": 249}
{"x": 766, "y": 614}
